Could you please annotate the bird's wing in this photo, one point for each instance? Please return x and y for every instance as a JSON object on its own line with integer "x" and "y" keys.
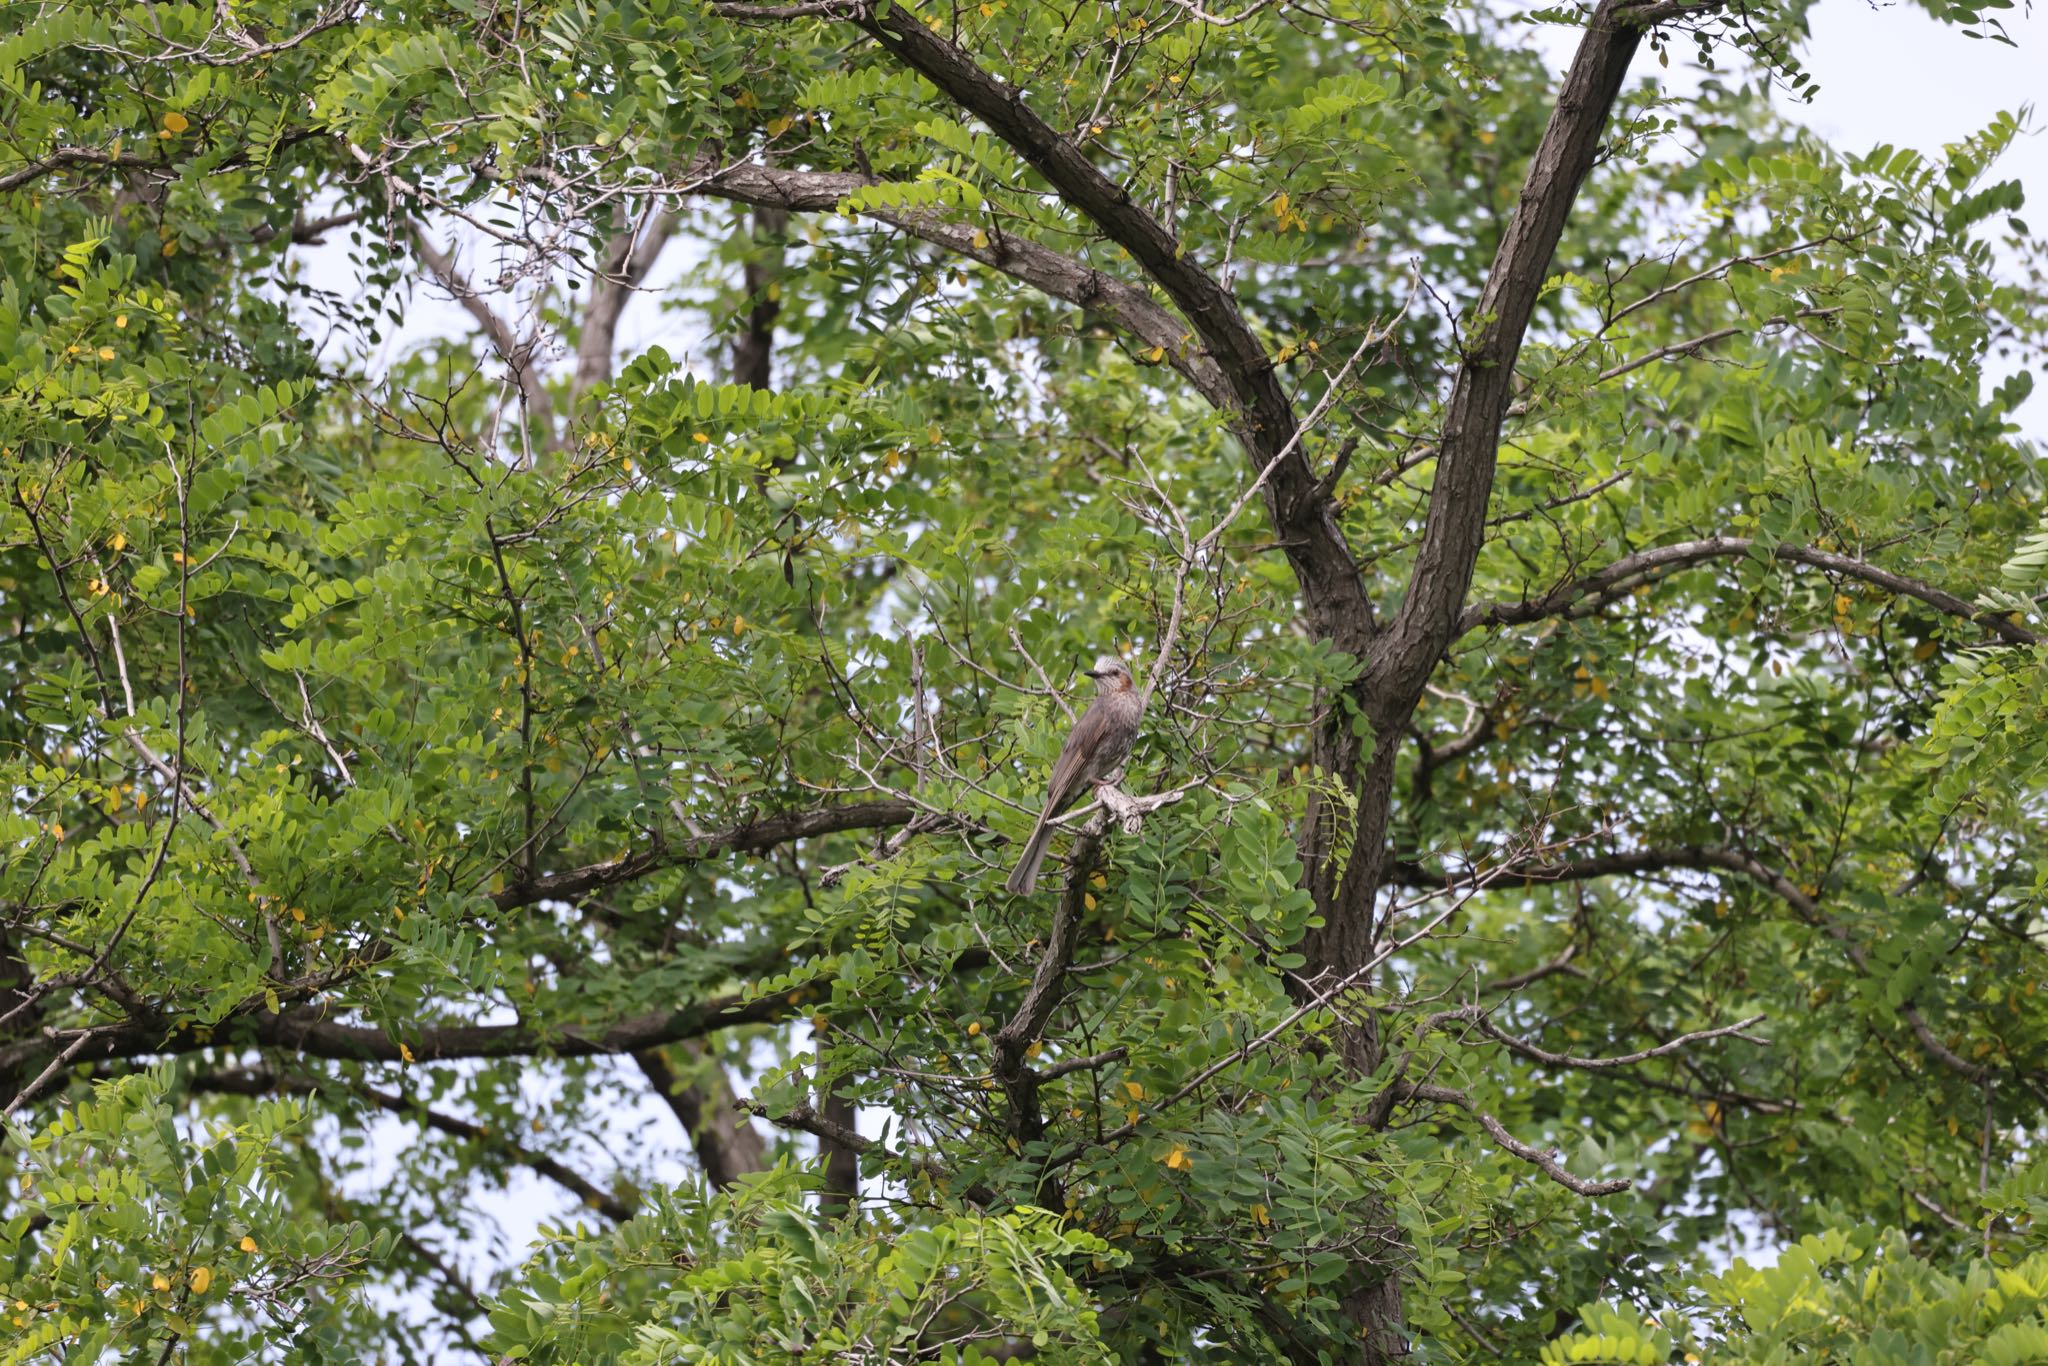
{"x": 1071, "y": 768}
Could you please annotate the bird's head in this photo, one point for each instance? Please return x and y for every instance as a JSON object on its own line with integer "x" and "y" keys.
{"x": 1110, "y": 674}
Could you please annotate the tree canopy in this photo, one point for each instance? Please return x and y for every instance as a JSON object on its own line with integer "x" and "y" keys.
{"x": 1585, "y": 578}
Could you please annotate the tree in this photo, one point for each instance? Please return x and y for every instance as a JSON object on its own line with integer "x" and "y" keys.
{"x": 1588, "y": 599}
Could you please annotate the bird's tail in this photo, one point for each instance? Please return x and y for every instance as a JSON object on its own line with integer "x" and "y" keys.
{"x": 1024, "y": 876}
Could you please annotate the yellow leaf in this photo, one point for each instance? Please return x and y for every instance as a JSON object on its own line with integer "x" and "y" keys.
{"x": 1485, "y": 136}
{"x": 777, "y": 127}
{"x": 1259, "y": 1215}
{"x": 700, "y": 438}
{"x": 1925, "y": 649}
{"x": 106, "y": 353}
{"x": 248, "y": 1244}
{"x": 1842, "y": 604}
{"x": 1156, "y": 354}
{"x": 1136, "y": 1090}
{"x": 202, "y": 1277}
{"x": 405, "y": 1052}
{"x": 974, "y": 1029}
{"x": 1099, "y": 880}
{"x": 119, "y": 542}
{"x": 980, "y": 239}
{"x": 160, "y": 1281}
{"x": 58, "y": 831}
{"x": 121, "y": 320}
{"x": 1088, "y": 898}
{"x": 176, "y": 122}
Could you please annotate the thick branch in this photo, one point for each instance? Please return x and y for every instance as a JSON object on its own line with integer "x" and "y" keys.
{"x": 1456, "y": 525}
{"x": 1048, "y": 984}
{"x": 1023, "y": 260}
{"x": 726, "y": 1149}
{"x": 307, "y": 1030}
{"x": 753, "y": 348}
{"x": 627, "y": 260}
{"x": 804, "y": 1118}
{"x": 1339, "y": 609}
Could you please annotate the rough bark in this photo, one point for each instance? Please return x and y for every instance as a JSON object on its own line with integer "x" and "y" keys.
{"x": 753, "y": 346}
{"x": 727, "y": 1148}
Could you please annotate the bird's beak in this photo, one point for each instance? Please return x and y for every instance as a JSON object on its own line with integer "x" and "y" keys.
{"x": 1090, "y": 673}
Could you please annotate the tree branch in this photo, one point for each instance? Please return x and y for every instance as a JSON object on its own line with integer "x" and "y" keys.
{"x": 1264, "y": 420}
{"x": 1626, "y": 572}
{"x": 1716, "y": 858}
{"x": 628, "y": 258}
{"x": 1455, "y": 527}
{"x": 1048, "y": 984}
{"x": 257, "y": 1081}
{"x": 726, "y": 1150}
{"x": 1062, "y": 277}
{"x": 518, "y": 355}
{"x": 1542, "y": 1159}
{"x": 1481, "y": 1019}
{"x": 753, "y": 837}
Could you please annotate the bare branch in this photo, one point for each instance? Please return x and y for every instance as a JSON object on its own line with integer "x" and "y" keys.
{"x": 1627, "y": 572}
{"x": 1542, "y": 1159}
{"x": 753, "y": 837}
{"x": 1480, "y": 1018}
{"x": 804, "y": 1118}
{"x": 518, "y": 355}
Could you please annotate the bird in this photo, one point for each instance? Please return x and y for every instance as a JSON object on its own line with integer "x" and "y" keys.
{"x": 1100, "y": 742}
